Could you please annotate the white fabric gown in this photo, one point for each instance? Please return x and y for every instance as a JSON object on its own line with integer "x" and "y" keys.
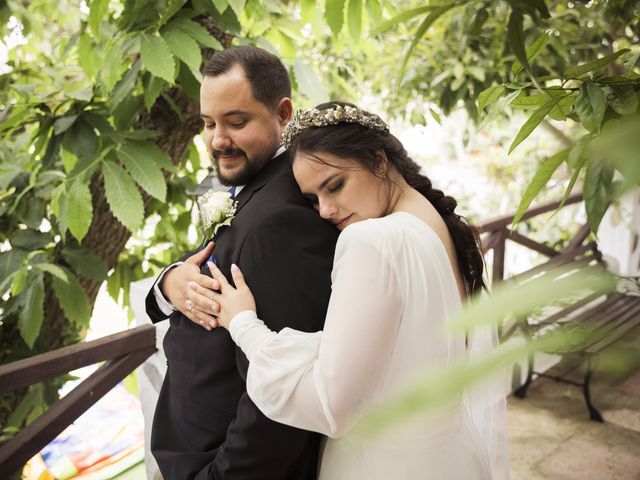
{"x": 393, "y": 292}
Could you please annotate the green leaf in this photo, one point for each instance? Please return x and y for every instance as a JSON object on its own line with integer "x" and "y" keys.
{"x": 185, "y": 48}
{"x": 19, "y": 281}
{"x": 198, "y": 33}
{"x": 309, "y": 83}
{"x": 237, "y": 6}
{"x": 401, "y": 18}
{"x": 564, "y": 107}
{"x": 576, "y": 160}
{"x": 123, "y": 196}
{"x": 354, "y": 18}
{"x": 63, "y": 124}
{"x": 375, "y": 11}
{"x": 515, "y": 37}
{"x": 173, "y": 7}
{"x": 539, "y": 180}
{"x": 144, "y": 170}
{"x": 308, "y": 10}
{"x": 126, "y": 85}
{"x": 597, "y": 191}
{"x": 590, "y": 106}
{"x": 623, "y": 100}
{"x": 422, "y": 30}
{"x": 534, "y": 120}
{"x": 79, "y": 209}
{"x": 489, "y": 96}
{"x": 97, "y": 11}
{"x": 88, "y": 57}
{"x": 152, "y": 91}
{"x": 150, "y": 150}
{"x": 113, "y": 65}
{"x": 54, "y": 270}
{"x": 73, "y": 299}
{"x": 221, "y": 5}
{"x": 575, "y": 72}
{"x": 157, "y": 57}
{"x": 533, "y": 50}
{"x": 85, "y": 263}
{"x": 334, "y": 15}
{"x": 32, "y": 313}
{"x": 497, "y": 108}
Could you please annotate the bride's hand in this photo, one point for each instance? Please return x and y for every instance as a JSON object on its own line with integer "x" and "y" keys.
{"x": 231, "y": 300}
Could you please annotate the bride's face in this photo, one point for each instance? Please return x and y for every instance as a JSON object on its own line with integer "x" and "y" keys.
{"x": 341, "y": 190}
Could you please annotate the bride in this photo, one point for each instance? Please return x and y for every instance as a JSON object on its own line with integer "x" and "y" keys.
{"x": 404, "y": 264}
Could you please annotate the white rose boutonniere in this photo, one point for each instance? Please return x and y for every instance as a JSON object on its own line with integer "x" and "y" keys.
{"x": 217, "y": 209}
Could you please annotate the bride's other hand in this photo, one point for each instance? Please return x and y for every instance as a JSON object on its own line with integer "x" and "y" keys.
{"x": 231, "y": 300}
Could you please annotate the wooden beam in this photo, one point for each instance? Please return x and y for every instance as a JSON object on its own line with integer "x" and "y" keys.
{"x": 51, "y": 364}
{"x": 532, "y": 244}
{"x": 497, "y": 273}
{"x": 505, "y": 220}
{"x": 29, "y": 441}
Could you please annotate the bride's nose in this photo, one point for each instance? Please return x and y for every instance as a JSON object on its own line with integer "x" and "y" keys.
{"x": 326, "y": 209}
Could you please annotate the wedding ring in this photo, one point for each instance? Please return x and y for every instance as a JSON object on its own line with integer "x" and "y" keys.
{"x": 202, "y": 322}
{"x": 190, "y": 307}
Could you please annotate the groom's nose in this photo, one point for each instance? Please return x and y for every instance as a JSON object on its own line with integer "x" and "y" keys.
{"x": 221, "y": 139}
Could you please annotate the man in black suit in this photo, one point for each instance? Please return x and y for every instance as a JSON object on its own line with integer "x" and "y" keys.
{"x": 205, "y": 425}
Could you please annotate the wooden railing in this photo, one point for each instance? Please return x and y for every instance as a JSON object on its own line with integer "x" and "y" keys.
{"x": 123, "y": 352}
{"x": 495, "y": 233}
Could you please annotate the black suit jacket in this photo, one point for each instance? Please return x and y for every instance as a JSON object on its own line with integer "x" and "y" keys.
{"x": 205, "y": 424}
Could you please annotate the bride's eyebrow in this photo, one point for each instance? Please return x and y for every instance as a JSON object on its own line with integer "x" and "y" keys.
{"x": 327, "y": 180}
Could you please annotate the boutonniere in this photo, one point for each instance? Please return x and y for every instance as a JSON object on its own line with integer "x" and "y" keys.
{"x": 217, "y": 209}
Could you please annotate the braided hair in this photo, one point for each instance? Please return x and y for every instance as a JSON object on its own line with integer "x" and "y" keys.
{"x": 362, "y": 144}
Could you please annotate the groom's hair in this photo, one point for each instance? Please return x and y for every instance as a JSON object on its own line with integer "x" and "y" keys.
{"x": 267, "y": 75}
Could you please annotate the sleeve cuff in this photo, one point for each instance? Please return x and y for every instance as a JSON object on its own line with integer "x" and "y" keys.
{"x": 250, "y": 333}
{"x": 165, "y": 306}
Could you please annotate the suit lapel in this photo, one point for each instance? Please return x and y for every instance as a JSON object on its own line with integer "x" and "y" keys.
{"x": 268, "y": 172}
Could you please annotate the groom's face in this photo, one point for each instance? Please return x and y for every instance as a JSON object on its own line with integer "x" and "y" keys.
{"x": 241, "y": 133}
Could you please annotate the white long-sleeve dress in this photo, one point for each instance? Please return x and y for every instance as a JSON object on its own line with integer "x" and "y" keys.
{"x": 393, "y": 292}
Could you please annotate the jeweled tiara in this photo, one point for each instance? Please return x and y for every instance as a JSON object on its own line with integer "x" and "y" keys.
{"x": 313, "y": 117}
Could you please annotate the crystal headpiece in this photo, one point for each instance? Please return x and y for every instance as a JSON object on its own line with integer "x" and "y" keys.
{"x": 314, "y": 117}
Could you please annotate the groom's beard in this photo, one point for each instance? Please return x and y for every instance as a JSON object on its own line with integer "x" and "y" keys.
{"x": 239, "y": 177}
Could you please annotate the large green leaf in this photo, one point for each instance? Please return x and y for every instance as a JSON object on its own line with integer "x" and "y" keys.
{"x": 73, "y": 299}
{"x": 173, "y": 7}
{"x": 597, "y": 191}
{"x": 53, "y": 270}
{"x": 578, "y": 155}
{"x": 490, "y": 96}
{"x": 152, "y": 91}
{"x": 79, "y": 209}
{"x": 156, "y": 57}
{"x": 144, "y": 169}
{"x": 197, "y": 32}
{"x": 401, "y": 18}
{"x": 237, "y": 6}
{"x": 85, "y": 263}
{"x": 623, "y": 100}
{"x": 334, "y": 15}
{"x": 97, "y": 11}
{"x": 539, "y": 180}
{"x": 19, "y": 282}
{"x": 354, "y": 19}
{"x": 143, "y": 148}
{"x": 32, "y": 312}
{"x": 185, "y": 48}
{"x": 431, "y": 17}
{"x": 123, "y": 196}
{"x": 534, "y": 120}
{"x": 515, "y": 37}
{"x": 125, "y": 86}
{"x": 533, "y": 50}
{"x": 575, "y": 72}
{"x": 590, "y": 106}
{"x": 113, "y": 65}
{"x": 221, "y": 5}
{"x": 309, "y": 83}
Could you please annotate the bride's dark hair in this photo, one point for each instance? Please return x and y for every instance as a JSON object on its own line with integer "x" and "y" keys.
{"x": 362, "y": 144}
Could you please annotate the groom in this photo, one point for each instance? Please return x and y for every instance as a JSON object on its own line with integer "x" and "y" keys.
{"x": 205, "y": 425}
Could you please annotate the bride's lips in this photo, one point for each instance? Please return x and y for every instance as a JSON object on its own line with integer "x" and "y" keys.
{"x": 342, "y": 223}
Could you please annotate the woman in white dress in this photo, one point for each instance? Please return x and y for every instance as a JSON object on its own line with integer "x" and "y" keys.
{"x": 403, "y": 265}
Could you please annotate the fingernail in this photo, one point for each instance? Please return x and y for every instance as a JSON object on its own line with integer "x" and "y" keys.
{"x": 211, "y": 265}
{"x": 189, "y": 303}
{"x": 234, "y": 267}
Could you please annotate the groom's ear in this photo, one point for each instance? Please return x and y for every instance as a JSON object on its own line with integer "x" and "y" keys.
{"x": 284, "y": 111}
